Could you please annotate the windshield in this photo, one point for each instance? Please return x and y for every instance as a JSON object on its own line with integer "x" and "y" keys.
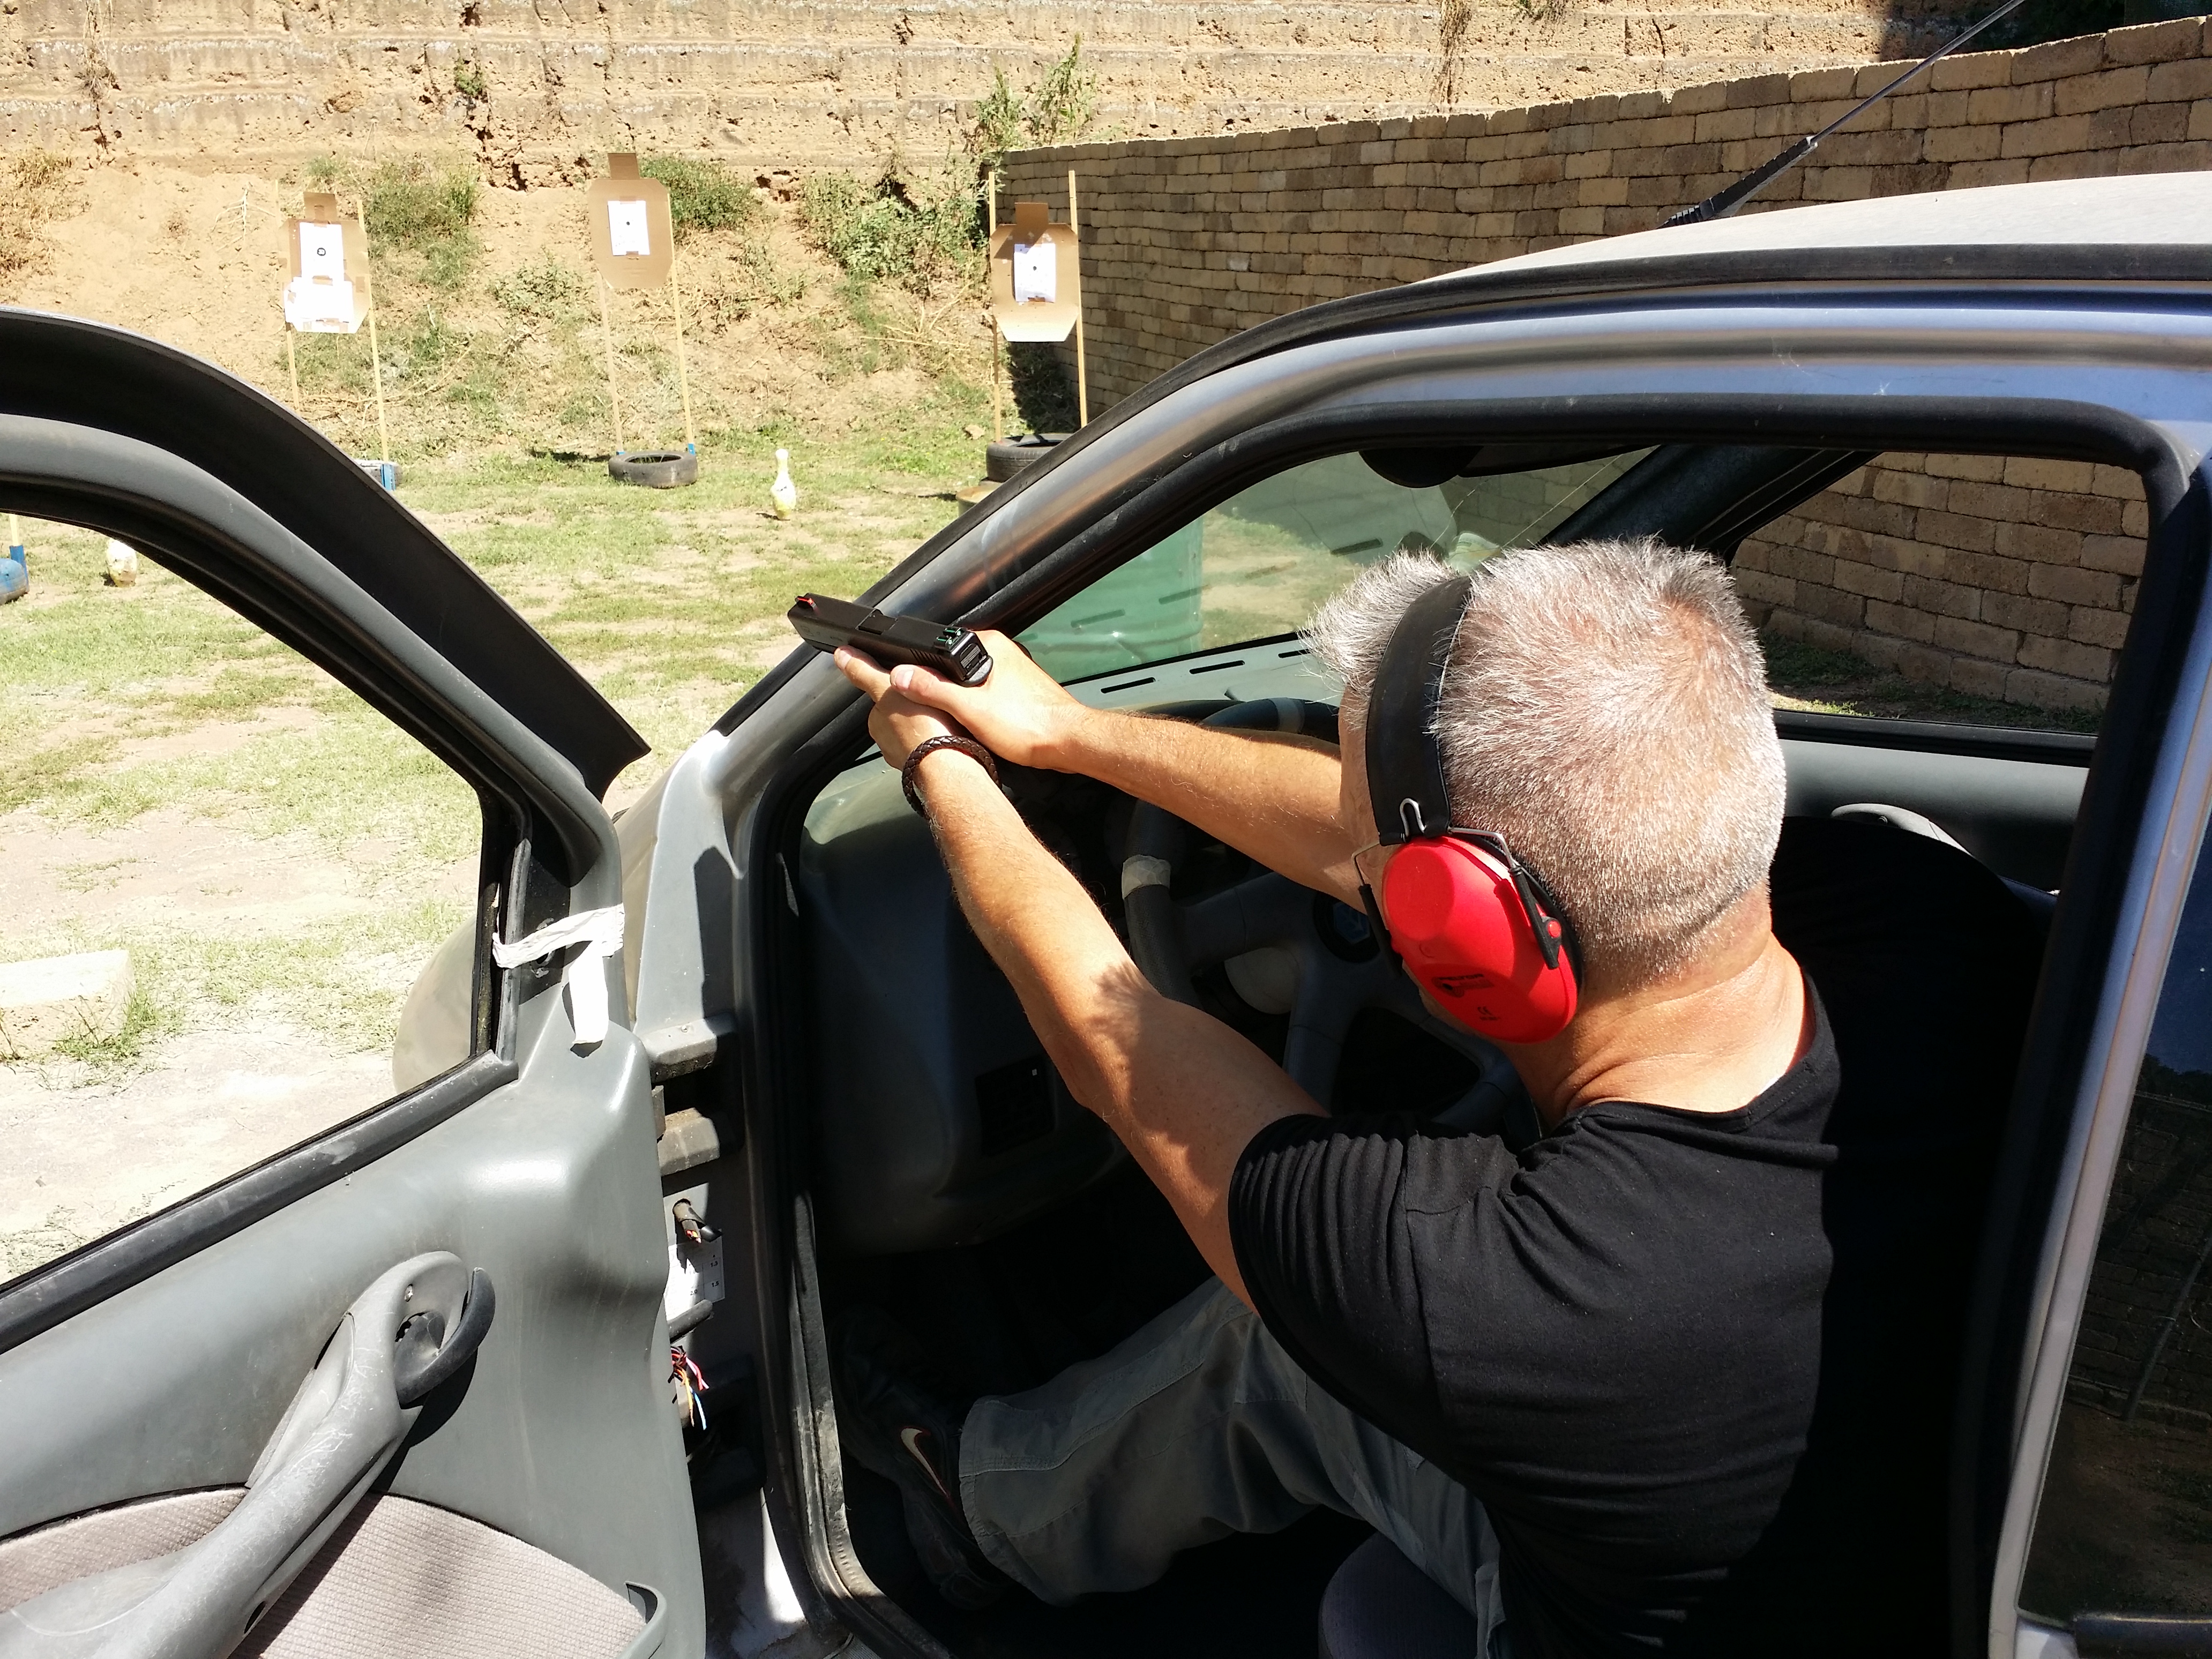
{"x": 1258, "y": 565}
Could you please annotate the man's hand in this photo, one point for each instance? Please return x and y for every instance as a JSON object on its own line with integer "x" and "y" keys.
{"x": 1273, "y": 799}
{"x": 897, "y": 723}
{"x": 1020, "y": 714}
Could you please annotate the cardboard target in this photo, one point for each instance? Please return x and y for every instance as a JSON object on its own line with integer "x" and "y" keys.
{"x": 1037, "y": 276}
{"x": 633, "y": 238}
{"x": 327, "y": 281}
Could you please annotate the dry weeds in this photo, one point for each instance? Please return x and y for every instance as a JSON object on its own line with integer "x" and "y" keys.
{"x": 34, "y": 190}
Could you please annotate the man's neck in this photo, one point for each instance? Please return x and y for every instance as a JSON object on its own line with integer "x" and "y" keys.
{"x": 1711, "y": 1039}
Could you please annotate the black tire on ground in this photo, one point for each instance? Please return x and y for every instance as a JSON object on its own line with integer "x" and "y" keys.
{"x": 1001, "y": 461}
{"x": 656, "y": 468}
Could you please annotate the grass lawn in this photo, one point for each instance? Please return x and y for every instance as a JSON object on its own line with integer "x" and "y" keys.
{"x": 671, "y": 602}
{"x": 155, "y": 702}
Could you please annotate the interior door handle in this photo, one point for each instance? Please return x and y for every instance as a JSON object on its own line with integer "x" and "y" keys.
{"x": 425, "y": 1357}
{"x": 349, "y": 1416}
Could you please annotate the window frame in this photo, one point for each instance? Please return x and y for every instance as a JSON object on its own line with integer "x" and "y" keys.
{"x": 537, "y": 838}
{"x": 2117, "y": 1013}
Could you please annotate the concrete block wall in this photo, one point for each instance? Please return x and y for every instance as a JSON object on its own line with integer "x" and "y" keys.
{"x": 1189, "y": 240}
{"x": 2004, "y": 578}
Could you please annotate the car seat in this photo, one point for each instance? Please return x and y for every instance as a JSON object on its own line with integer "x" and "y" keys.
{"x": 2040, "y": 905}
{"x": 1381, "y": 1606}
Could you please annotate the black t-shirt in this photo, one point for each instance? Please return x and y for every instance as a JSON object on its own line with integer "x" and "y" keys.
{"x": 1698, "y": 1367}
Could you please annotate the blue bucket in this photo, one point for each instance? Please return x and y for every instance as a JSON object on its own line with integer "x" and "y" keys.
{"x": 15, "y": 575}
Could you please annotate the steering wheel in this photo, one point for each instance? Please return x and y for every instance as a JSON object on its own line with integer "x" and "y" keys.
{"x": 1288, "y": 949}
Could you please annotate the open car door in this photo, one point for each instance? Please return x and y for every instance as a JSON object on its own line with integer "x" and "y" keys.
{"x": 400, "y": 1386}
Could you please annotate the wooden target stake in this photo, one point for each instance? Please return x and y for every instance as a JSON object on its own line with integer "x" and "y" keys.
{"x": 607, "y": 333}
{"x": 683, "y": 378}
{"x": 375, "y": 354}
{"x": 991, "y": 209}
{"x": 292, "y": 366}
{"x": 1082, "y": 380}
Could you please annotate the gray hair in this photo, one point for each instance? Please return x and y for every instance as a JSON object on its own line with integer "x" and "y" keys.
{"x": 1605, "y": 710}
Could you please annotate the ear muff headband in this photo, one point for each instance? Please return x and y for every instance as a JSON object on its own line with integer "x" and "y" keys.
{"x": 1405, "y": 765}
{"x": 1468, "y": 919}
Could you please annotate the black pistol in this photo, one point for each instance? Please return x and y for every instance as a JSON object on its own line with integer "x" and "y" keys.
{"x": 946, "y": 648}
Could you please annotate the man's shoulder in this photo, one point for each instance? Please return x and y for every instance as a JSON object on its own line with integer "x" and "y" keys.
{"x": 1400, "y": 1160}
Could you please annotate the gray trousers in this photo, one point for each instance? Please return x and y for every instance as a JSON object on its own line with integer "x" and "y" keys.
{"x": 1198, "y": 1426}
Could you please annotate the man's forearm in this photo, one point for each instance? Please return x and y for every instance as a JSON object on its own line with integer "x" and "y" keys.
{"x": 1184, "y": 1092}
{"x": 1274, "y": 800}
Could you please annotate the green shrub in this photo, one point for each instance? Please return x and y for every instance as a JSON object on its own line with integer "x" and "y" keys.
{"x": 469, "y": 82}
{"x": 426, "y": 210}
{"x": 1063, "y": 104}
{"x": 889, "y": 230}
{"x": 548, "y": 289}
{"x": 1058, "y": 110}
{"x": 428, "y": 343}
{"x": 704, "y": 195}
{"x": 998, "y": 127}
{"x": 409, "y": 205}
{"x": 770, "y": 280}
{"x": 754, "y": 279}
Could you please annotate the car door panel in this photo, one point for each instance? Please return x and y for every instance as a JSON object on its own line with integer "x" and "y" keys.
{"x": 539, "y": 1604}
{"x": 538, "y": 1500}
{"x": 2015, "y": 815}
{"x": 179, "y": 1382}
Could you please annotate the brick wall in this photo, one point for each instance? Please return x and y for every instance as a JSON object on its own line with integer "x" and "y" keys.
{"x": 1189, "y": 240}
{"x": 2000, "y": 578}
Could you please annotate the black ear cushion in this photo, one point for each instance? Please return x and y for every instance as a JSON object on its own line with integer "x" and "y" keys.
{"x": 1404, "y": 762}
{"x": 1568, "y": 941}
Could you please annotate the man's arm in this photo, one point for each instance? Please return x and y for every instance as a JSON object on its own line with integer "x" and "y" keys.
{"x": 1184, "y": 1092}
{"x": 1273, "y": 799}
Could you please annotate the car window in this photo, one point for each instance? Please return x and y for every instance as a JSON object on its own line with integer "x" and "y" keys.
{"x": 1257, "y": 566}
{"x": 1967, "y": 589}
{"x": 2124, "y": 1525}
{"x": 223, "y": 872}
{"x": 1985, "y": 589}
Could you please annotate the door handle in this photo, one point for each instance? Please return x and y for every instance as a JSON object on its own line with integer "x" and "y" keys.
{"x": 425, "y": 1357}
{"x": 350, "y": 1417}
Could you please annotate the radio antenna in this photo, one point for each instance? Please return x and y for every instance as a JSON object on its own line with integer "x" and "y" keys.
{"x": 1728, "y": 201}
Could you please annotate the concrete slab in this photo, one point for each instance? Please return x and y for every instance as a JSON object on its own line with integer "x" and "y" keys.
{"x": 45, "y": 1001}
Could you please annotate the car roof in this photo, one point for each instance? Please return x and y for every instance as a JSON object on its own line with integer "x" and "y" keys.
{"x": 2167, "y": 210}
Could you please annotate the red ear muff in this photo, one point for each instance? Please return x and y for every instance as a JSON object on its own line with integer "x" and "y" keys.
{"x": 1458, "y": 922}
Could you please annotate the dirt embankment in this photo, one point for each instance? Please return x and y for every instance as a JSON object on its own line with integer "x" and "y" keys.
{"x": 528, "y": 87}
{"x": 504, "y": 349}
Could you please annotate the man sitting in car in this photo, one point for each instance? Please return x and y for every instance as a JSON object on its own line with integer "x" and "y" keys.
{"x": 1672, "y": 1376}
